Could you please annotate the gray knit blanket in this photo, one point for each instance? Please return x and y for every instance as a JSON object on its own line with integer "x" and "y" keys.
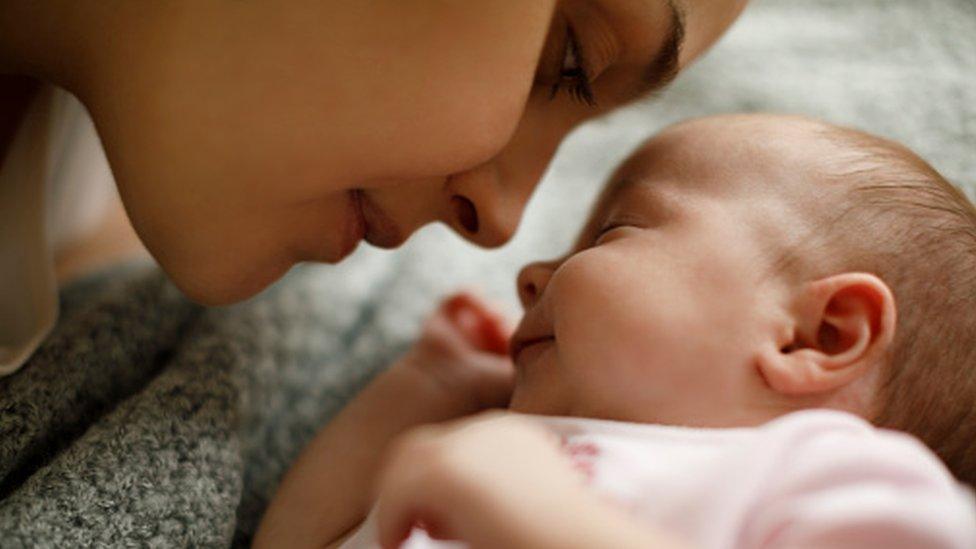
{"x": 145, "y": 420}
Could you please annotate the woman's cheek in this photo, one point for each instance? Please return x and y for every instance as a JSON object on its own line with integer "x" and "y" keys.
{"x": 470, "y": 133}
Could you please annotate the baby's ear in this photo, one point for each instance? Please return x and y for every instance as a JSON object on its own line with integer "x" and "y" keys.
{"x": 843, "y": 325}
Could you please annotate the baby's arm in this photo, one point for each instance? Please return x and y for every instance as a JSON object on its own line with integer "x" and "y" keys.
{"x": 459, "y": 366}
{"x": 497, "y": 480}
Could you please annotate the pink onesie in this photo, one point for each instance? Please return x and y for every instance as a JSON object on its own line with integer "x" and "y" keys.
{"x": 809, "y": 479}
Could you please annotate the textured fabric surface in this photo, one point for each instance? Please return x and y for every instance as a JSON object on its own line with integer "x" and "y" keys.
{"x": 147, "y": 421}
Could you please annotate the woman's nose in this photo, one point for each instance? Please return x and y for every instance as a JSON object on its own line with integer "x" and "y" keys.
{"x": 532, "y": 281}
{"x": 484, "y": 208}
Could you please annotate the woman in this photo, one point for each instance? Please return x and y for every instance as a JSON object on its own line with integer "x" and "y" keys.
{"x": 245, "y": 137}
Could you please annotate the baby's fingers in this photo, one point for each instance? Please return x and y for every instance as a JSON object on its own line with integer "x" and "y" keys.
{"x": 482, "y": 327}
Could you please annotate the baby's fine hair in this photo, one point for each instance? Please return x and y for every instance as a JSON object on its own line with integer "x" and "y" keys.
{"x": 901, "y": 220}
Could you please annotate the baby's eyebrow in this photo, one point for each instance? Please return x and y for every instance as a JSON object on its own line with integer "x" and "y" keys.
{"x": 606, "y": 196}
{"x": 655, "y": 200}
{"x": 621, "y": 185}
{"x": 610, "y": 193}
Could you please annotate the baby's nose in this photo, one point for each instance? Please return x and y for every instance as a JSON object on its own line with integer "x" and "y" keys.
{"x": 532, "y": 281}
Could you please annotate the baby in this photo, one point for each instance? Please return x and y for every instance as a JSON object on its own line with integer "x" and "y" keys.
{"x": 703, "y": 369}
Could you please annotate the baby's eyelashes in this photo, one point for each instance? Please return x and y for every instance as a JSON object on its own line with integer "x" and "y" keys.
{"x": 609, "y": 230}
{"x": 616, "y": 226}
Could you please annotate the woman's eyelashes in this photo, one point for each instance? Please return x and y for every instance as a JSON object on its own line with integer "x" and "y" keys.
{"x": 572, "y": 75}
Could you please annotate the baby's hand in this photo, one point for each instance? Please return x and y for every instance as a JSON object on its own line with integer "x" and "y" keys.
{"x": 463, "y": 349}
{"x": 475, "y": 480}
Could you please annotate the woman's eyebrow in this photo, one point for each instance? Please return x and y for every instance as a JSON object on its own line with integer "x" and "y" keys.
{"x": 664, "y": 68}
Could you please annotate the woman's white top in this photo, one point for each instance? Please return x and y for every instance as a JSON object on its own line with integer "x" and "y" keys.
{"x": 814, "y": 478}
{"x": 55, "y": 183}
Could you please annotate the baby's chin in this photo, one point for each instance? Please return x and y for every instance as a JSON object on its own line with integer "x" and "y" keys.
{"x": 525, "y": 401}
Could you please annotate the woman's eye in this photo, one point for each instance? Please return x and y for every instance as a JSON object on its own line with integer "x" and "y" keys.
{"x": 572, "y": 74}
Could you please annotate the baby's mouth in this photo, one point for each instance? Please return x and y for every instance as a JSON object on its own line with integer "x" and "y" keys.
{"x": 521, "y": 348}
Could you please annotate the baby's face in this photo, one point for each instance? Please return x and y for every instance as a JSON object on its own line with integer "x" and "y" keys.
{"x": 658, "y": 312}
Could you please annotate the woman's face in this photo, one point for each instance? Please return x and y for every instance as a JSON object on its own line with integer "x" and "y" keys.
{"x": 246, "y": 137}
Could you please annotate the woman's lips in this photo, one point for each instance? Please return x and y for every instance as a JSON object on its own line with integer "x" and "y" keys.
{"x": 381, "y": 231}
{"x": 355, "y": 229}
{"x": 366, "y": 221}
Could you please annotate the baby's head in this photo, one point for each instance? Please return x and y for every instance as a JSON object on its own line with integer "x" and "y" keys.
{"x": 739, "y": 268}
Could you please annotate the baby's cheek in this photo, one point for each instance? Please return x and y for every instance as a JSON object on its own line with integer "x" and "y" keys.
{"x": 591, "y": 309}
{"x": 586, "y": 277}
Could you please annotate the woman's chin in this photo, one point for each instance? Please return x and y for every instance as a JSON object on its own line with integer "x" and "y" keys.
{"x": 217, "y": 285}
